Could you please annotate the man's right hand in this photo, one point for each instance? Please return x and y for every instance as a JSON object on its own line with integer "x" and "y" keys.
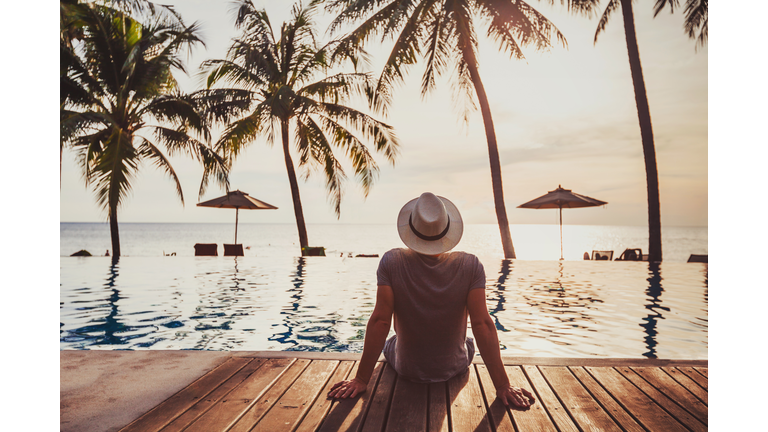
{"x": 516, "y": 396}
{"x": 347, "y": 389}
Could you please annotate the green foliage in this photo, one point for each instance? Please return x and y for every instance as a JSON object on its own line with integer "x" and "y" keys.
{"x": 442, "y": 33}
{"x": 119, "y": 102}
{"x": 285, "y": 78}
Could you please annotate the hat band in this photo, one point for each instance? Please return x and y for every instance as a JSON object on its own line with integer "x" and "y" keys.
{"x": 426, "y": 237}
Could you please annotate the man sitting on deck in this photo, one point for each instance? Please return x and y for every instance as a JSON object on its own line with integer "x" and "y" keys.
{"x": 430, "y": 291}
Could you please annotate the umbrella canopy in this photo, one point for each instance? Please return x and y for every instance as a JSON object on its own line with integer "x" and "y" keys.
{"x": 562, "y": 198}
{"x": 237, "y": 200}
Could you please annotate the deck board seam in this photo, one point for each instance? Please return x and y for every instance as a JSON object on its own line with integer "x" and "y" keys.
{"x": 263, "y": 362}
{"x": 663, "y": 395}
{"x": 389, "y": 402}
{"x": 367, "y": 407}
{"x": 259, "y": 395}
{"x": 540, "y": 399}
{"x": 277, "y": 398}
{"x": 597, "y": 400}
{"x": 559, "y": 398}
{"x": 686, "y": 388}
{"x": 696, "y": 383}
{"x": 618, "y": 400}
{"x": 200, "y": 378}
{"x": 314, "y": 399}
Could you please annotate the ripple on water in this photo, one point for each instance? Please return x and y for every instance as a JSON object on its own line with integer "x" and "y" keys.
{"x": 540, "y": 308}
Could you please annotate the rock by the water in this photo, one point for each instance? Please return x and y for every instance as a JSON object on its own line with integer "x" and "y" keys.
{"x": 82, "y": 252}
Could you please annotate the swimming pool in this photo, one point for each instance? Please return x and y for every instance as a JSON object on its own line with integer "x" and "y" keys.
{"x": 541, "y": 308}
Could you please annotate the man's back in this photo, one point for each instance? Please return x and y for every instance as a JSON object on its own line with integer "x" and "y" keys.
{"x": 430, "y": 315}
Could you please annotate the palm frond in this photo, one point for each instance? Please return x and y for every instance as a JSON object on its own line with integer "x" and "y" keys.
{"x": 661, "y": 4}
{"x": 147, "y": 150}
{"x": 404, "y": 53}
{"x": 315, "y": 147}
{"x": 612, "y": 6}
{"x": 696, "y": 18}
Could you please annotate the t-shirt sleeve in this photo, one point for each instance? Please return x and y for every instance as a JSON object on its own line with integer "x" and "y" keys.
{"x": 478, "y": 274}
{"x": 383, "y": 272}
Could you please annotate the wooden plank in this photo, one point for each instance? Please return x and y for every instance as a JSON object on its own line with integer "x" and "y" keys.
{"x": 438, "y": 408}
{"x": 534, "y": 417}
{"x": 408, "y": 411}
{"x": 229, "y": 409}
{"x": 675, "y": 390}
{"x": 548, "y": 398}
{"x": 320, "y": 408}
{"x": 468, "y": 412}
{"x": 642, "y": 408}
{"x": 497, "y": 411}
{"x": 177, "y": 404}
{"x": 663, "y": 399}
{"x": 347, "y": 415}
{"x": 608, "y": 403}
{"x": 692, "y": 374}
{"x": 584, "y": 410}
{"x": 208, "y": 402}
{"x": 703, "y": 371}
{"x": 270, "y": 397}
{"x": 296, "y": 401}
{"x": 379, "y": 406}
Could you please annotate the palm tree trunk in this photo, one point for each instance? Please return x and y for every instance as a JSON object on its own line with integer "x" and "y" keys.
{"x": 646, "y": 133}
{"x": 114, "y": 232}
{"x": 493, "y": 153}
{"x": 294, "y": 189}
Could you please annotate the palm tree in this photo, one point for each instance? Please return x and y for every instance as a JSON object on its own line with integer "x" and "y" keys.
{"x": 443, "y": 33}
{"x": 696, "y": 17}
{"x": 120, "y": 102}
{"x": 279, "y": 77}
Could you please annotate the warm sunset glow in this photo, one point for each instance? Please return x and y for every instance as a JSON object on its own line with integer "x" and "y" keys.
{"x": 566, "y": 116}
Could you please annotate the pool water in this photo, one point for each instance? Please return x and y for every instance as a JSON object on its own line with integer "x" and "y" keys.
{"x": 541, "y": 308}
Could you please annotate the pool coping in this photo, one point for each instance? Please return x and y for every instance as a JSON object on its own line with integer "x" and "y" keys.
{"x": 104, "y": 390}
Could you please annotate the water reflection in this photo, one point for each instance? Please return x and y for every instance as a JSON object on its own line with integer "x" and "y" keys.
{"x": 654, "y": 307}
{"x": 497, "y": 294}
{"x": 218, "y": 311}
{"x": 111, "y": 328}
{"x": 543, "y": 308}
{"x": 304, "y": 328}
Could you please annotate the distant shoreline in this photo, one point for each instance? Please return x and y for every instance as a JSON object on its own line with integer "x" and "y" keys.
{"x": 358, "y": 224}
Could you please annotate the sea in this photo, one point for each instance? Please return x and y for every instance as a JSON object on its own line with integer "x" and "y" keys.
{"x": 160, "y": 296}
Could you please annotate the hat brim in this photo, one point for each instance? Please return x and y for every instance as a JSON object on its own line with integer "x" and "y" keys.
{"x": 426, "y": 247}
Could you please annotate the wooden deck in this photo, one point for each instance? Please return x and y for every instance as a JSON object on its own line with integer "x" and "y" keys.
{"x": 253, "y": 393}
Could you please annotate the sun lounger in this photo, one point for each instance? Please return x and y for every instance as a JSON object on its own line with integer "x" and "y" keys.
{"x": 206, "y": 249}
{"x": 632, "y": 255}
{"x": 698, "y": 258}
{"x": 233, "y": 249}
{"x": 602, "y": 255}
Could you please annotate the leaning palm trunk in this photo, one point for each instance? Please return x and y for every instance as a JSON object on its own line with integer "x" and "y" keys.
{"x": 646, "y": 133}
{"x": 300, "y": 224}
{"x": 493, "y": 153}
{"x": 114, "y": 233}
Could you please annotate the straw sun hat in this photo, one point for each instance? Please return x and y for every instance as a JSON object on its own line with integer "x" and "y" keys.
{"x": 430, "y": 224}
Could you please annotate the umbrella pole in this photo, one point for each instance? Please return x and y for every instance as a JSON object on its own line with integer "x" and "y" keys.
{"x": 237, "y": 216}
{"x": 561, "y": 232}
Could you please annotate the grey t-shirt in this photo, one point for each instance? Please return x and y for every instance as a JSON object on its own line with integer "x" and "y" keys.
{"x": 430, "y": 311}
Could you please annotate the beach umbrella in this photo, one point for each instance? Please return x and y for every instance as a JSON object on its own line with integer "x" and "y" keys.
{"x": 237, "y": 200}
{"x": 562, "y": 198}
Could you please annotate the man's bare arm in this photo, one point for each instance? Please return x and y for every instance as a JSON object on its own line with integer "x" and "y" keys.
{"x": 375, "y": 336}
{"x": 488, "y": 344}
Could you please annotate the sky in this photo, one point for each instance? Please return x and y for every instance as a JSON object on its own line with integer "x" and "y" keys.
{"x": 562, "y": 117}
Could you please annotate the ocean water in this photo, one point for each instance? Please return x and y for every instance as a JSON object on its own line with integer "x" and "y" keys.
{"x": 531, "y": 242}
{"x": 271, "y": 299}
